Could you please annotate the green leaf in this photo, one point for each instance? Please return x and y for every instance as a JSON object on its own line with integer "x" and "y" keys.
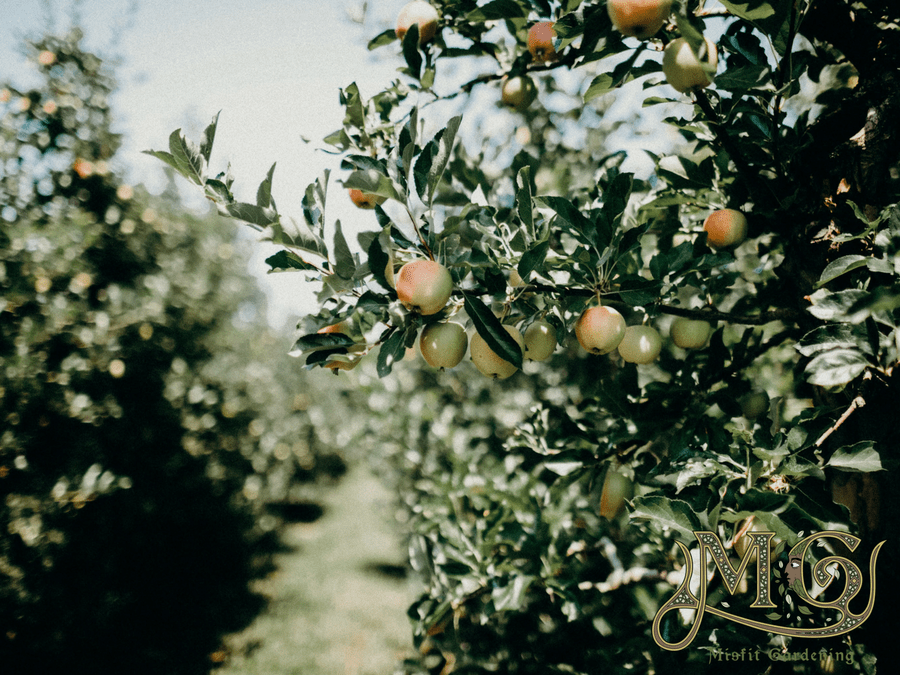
{"x": 253, "y": 215}
{"x": 637, "y": 291}
{"x": 861, "y": 457}
{"x": 836, "y": 367}
{"x": 411, "y": 51}
{"x": 187, "y": 155}
{"x": 320, "y": 341}
{"x": 209, "y": 135}
{"x": 422, "y": 168}
{"x": 489, "y": 327}
{"x": 600, "y": 85}
{"x": 392, "y": 350}
{"x": 373, "y": 182}
{"x": 829, "y": 306}
{"x": 379, "y": 255}
{"x": 497, "y": 9}
{"x": 166, "y": 157}
{"x": 672, "y": 514}
{"x": 382, "y": 39}
{"x": 352, "y": 102}
{"x": 344, "y": 264}
{"x": 841, "y": 266}
{"x": 524, "y": 205}
{"x": 512, "y": 596}
{"x": 834, "y": 336}
{"x": 442, "y": 156}
{"x": 533, "y": 259}
{"x": 752, "y": 10}
{"x": 570, "y": 214}
{"x": 288, "y": 260}
{"x": 264, "y": 193}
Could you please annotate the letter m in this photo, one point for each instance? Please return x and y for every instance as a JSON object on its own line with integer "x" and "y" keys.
{"x": 760, "y": 543}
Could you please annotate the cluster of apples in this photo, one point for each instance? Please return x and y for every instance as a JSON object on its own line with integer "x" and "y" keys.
{"x": 642, "y": 19}
{"x": 684, "y": 70}
{"x": 425, "y": 286}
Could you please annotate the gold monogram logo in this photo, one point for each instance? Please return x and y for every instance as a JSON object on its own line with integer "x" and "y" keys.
{"x": 760, "y": 543}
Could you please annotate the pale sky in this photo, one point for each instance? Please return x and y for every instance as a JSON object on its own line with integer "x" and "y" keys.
{"x": 272, "y": 67}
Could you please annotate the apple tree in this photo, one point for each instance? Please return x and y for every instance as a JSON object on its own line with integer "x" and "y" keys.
{"x": 146, "y": 419}
{"x": 718, "y": 268}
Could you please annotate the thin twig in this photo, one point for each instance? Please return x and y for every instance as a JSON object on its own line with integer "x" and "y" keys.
{"x": 858, "y": 402}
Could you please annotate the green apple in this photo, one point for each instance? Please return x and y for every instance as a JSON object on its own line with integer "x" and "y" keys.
{"x": 641, "y": 344}
{"x": 684, "y": 70}
{"x": 540, "y": 341}
{"x": 443, "y": 345}
{"x": 487, "y": 361}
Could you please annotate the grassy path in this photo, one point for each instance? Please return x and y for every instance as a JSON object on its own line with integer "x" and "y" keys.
{"x": 334, "y": 609}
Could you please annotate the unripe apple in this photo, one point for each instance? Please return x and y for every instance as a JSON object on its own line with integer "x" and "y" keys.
{"x": 683, "y": 70}
{"x": 690, "y": 333}
{"x": 639, "y": 18}
{"x": 365, "y": 200}
{"x": 600, "y": 329}
{"x": 617, "y": 487}
{"x": 641, "y": 344}
{"x": 419, "y": 12}
{"x": 540, "y": 341}
{"x": 725, "y": 228}
{"x": 518, "y": 92}
{"x": 443, "y": 345}
{"x": 540, "y": 42}
{"x": 754, "y": 404}
{"x": 743, "y": 532}
{"x": 487, "y": 361}
{"x": 424, "y": 286}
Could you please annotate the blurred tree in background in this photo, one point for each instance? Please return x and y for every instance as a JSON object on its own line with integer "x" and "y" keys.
{"x": 147, "y": 418}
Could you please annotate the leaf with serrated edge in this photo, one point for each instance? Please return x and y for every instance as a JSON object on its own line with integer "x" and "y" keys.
{"x": 264, "y": 192}
{"x": 442, "y": 156}
{"x": 859, "y": 457}
{"x": 673, "y": 514}
{"x": 209, "y": 135}
{"x": 187, "y": 154}
{"x": 344, "y": 265}
{"x": 392, "y": 350}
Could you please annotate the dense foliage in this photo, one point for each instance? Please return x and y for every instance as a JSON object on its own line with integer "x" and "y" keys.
{"x": 780, "y": 421}
{"x": 146, "y": 416}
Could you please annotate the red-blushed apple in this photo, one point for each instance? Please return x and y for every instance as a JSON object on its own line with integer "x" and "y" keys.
{"x": 639, "y": 18}
{"x": 487, "y": 361}
{"x": 365, "y": 200}
{"x": 599, "y": 330}
{"x": 540, "y": 341}
{"x": 424, "y": 286}
{"x": 641, "y": 344}
{"x": 690, "y": 333}
{"x": 421, "y": 13}
{"x": 725, "y": 228}
{"x": 443, "y": 344}
{"x": 540, "y": 42}
{"x": 518, "y": 92}
{"x": 684, "y": 70}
